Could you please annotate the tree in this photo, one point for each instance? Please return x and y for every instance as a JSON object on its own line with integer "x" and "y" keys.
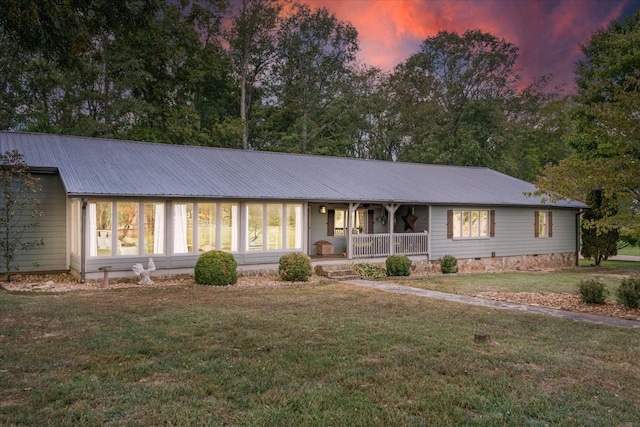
{"x": 19, "y": 210}
{"x": 451, "y": 98}
{"x": 374, "y": 121}
{"x": 62, "y": 31}
{"x": 597, "y": 243}
{"x": 606, "y": 145}
{"x": 252, "y": 48}
{"x": 159, "y": 75}
{"x": 304, "y": 101}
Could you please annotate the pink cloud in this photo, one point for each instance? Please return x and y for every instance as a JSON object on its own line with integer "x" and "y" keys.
{"x": 548, "y": 32}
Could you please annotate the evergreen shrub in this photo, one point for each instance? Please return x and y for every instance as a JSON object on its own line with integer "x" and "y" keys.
{"x": 592, "y": 292}
{"x": 628, "y": 293}
{"x": 449, "y": 264}
{"x": 216, "y": 268}
{"x": 398, "y": 265}
{"x": 295, "y": 267}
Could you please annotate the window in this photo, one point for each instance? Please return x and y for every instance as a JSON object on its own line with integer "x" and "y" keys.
{"x": 202, "y": 227}
{"x": 543, "y": 225}
{"x": 75, "y": 226}
{"x": 182, "y": 228}
{"x": 361, "y": 222}
{"x": 470, "y": 224}
{"x": 228, "y": 227}
{"x": 128, "y": 241}
{"x": 255, "y": 226}
{"x": 100, "y": 231}
{"x": 153, "y": 228}
{"x": 126, "y": 228}
{"x": 273, "y": 226}
{"x": 207, "y": 226}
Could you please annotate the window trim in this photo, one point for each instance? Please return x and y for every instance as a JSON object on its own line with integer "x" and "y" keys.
{"x": 548, "y": 229}
{"x": 285, "y": 209}
{"x": 218, "y": 226}
{"x": 112, "y": 237}
{"x": 491, "y": 224}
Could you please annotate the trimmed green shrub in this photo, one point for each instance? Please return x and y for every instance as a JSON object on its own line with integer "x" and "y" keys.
{"x": 449, "y": 264}
{"x": 398, "y": 265}
{"x": 370, "y": 271}
{"x": 216, "y": 268}
{"x": 628, "y": 293}
{"x": 295, "y": 267}
{"x": 592, "y": 292}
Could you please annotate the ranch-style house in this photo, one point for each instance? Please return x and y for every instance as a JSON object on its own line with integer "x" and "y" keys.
{"x": 116, "y": 203}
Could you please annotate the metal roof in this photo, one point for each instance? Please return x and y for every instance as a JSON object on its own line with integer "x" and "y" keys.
{"x": 107, "y": 167}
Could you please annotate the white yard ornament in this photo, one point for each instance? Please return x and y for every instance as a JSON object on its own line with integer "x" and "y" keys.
{"x": 143, "y": 273}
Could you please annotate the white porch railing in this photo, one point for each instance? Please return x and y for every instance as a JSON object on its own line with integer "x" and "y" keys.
{"x": 378, "y": 245}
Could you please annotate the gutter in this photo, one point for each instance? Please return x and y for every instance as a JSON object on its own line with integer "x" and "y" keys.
{"x": 580, "y": 212}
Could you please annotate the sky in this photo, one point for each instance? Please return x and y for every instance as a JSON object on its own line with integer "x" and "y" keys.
{"x": 547, "y": 32}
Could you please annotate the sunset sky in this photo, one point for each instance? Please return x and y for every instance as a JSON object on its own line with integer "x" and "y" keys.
{"x": 548, "y": 32}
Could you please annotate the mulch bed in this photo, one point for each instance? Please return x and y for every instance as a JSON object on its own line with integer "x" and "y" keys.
{"x": 58, "y": 283}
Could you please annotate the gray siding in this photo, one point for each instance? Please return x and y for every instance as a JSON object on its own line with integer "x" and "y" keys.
{"x": 514, "y": 235}
{"x": 53, "y": 229}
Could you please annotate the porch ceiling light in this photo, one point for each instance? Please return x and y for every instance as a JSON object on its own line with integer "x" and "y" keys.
{"x": 323, "y": 209}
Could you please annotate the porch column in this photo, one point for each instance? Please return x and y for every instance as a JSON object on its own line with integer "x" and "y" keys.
{"x": 391, "y": 210}
{"x": 352, "y": 209}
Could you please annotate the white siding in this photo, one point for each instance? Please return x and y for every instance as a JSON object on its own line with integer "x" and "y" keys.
{"x": 514, "y": 234}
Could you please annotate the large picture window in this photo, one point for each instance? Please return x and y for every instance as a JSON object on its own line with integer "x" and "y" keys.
{"x": 125, "y": 228}
{"x": 470, "y": 224}
{"x": 202, "y": 227}
{"x": 273, "y": 226}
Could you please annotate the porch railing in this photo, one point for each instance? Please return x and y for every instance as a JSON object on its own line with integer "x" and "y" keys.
{"x": 378, "y": 245}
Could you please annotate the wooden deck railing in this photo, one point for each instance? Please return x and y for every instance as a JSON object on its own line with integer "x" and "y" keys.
{"x": 379, "y": 245}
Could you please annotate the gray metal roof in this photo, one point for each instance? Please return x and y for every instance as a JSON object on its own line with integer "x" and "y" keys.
{"x": 106, "y": 167}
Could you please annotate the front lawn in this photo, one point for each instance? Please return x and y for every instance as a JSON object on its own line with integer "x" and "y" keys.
{"x": 315, "y": 355}
{"x": 561, "y": 281}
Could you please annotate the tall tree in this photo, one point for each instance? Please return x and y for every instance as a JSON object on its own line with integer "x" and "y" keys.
{"x": 374, "y": 121}
{"x": 597, "y": 243}
{"x": 252, "y": 40}
{"x": 451, "y": 98}
{"x": 315, "y": 54}
{"x": 63, "y": 30}
{"x": 606, "y": 147}
{"x": 161, "y": 75}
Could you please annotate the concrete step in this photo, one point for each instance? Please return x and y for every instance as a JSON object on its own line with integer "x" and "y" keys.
{"x": 342, "y": 274}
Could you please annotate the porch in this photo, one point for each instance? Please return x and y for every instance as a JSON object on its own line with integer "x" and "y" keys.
{"x": 365, "y": 230}
{"x": 385, "y": 244}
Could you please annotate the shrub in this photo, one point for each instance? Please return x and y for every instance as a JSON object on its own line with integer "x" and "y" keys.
{"x": 398, "y": 265}
{"x": 628, "y": 293}
{"x": 448, "y": 264}
{"x": 295, "y": 267}
{"x": 370, "y": 271}
{"x": 216, "y": 268}
{"x": 592, "y": 292}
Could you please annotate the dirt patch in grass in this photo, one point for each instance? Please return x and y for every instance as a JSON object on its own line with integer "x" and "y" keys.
{"x": 563, "y": 301}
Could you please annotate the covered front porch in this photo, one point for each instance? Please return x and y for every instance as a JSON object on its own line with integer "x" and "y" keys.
{"x": 369, "y": 230}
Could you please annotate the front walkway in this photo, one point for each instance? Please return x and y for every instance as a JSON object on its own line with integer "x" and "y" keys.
{"x": 463, "y": 299}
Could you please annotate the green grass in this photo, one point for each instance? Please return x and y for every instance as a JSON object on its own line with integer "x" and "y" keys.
{"x": 322, "y": 355}
{"x": 630, "y": 250}
{"x": 561, "y": 281}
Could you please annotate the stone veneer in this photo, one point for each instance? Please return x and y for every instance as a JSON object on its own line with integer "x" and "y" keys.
{"x": 500, "y": 264}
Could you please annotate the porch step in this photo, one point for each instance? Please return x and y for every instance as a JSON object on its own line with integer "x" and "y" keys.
{"x": 334, "y": 273}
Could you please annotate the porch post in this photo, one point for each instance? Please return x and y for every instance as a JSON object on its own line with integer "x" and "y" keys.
{"x": 352, "y": 209}
{"x": 391, "y": 209}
